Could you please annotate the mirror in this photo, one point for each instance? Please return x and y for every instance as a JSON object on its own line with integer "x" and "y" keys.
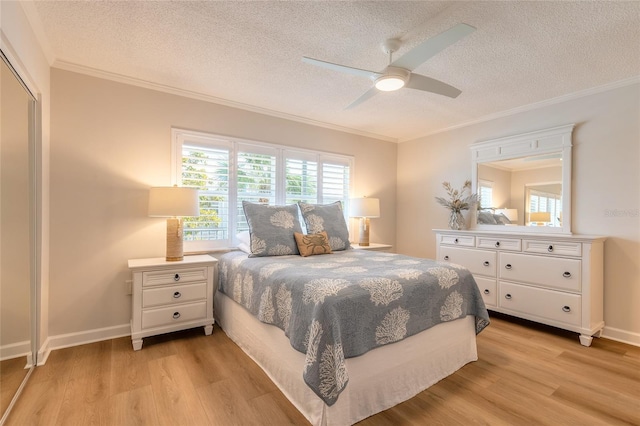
{"x": 524, "y": 182}
{"x": 17, "y": 235}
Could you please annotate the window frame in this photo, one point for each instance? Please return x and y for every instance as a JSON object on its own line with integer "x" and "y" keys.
{"x": 236, "y": 145}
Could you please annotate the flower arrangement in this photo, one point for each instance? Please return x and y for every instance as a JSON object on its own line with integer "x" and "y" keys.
{"x": 458, "y": 200}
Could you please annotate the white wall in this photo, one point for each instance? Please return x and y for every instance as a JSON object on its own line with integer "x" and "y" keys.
{"x": 605, "y": 191}
{"x": 19, "y": 43}
{"x": 110, "y": 143}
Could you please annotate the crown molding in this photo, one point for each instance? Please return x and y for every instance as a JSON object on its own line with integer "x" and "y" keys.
{"x": 68, "y": 66}
{"x": 536, "y": 105}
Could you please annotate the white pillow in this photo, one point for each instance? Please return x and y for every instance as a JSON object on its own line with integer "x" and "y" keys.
{"x": 244, "y": 239}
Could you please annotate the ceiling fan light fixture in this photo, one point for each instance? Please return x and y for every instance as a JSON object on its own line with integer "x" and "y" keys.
{"x": 389, "y": 83}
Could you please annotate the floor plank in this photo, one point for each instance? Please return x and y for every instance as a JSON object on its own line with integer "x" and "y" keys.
{"x": 526, "y": 374}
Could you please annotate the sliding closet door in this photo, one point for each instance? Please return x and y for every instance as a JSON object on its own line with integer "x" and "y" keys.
{"x": 16, "y": 234}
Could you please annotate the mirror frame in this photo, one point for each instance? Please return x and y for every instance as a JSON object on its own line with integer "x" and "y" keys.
{"x": 547, "y": 141}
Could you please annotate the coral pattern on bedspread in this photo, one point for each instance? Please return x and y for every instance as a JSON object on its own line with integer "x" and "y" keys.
{"x": 344, "y": 304}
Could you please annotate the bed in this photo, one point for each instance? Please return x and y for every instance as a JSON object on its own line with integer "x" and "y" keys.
{"x": 348, "y": 333}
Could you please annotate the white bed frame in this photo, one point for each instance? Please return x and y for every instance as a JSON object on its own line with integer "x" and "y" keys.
{"x": 401, "y": 370}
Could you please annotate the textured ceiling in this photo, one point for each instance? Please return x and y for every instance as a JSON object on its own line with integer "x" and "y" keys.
{"x": 250, "y": 53}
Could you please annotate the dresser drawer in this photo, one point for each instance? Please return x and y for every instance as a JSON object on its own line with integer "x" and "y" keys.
{"x": 173, "y": 294}
{"x": 173, "y": 314}
{"x": 543, "y": 303}
{"x": 173, "y": 276}
{"x": 549, "y": 247}
{"x": 513, "y": 244}
{"x": 458, "y": 240}
{"x": 479, "y": 262}
{"x": 546, "y": 271}
{"x": 488, "y": 291}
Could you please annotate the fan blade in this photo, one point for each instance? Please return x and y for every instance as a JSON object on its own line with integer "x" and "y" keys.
{"x": 430, "y": 47}
{"x": 428, "y": 84}
{"x": 341, "y": 68}
{"x": 369, "y": 93}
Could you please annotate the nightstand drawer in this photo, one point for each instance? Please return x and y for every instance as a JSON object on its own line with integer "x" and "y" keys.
{"x": 173, "y": 314}
{"x": 173, "y": 294}
{"x": 173, "y": 276}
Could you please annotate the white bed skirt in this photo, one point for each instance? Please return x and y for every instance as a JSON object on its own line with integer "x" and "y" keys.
{"x": 378, "y": 380}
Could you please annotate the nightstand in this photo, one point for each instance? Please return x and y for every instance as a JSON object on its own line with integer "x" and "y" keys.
{"x": 373, "y": 247}
{"x": 171, "y": 296}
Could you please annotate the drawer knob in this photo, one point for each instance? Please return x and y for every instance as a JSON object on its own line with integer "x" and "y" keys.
{"x": 550, "y": 248}
{"x": 176, "y": 315}
{"x": 486, "y": 291}
{"x": 485, "y": 263}
{"x": 567, "y": 275}
{"x": 507, "y": 296}
{"x": 566, "y": 308}
{"x": 508, "y": 266}
{"x": 455, "y": 241}
{"x": 177, "y": 295}
{"x": 497, "y": 243}
{"x": 176, "y": 277}
{"x": 446, "y": 257}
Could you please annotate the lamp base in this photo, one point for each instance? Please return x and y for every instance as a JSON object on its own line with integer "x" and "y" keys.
{"x": 174, "y": 240}
{"x": 364, "y": 232}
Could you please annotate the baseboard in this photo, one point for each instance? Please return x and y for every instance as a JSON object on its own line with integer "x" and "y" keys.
{"x": 81, "y": 338}
{"x": 623, "y": 336}
{"x": 15, "y": 350}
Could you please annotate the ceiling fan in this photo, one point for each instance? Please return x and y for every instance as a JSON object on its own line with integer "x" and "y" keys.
{"x": 398, "y": 73}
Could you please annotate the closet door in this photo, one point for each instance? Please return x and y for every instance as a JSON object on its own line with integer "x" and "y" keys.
{"x": 17, "y": 234}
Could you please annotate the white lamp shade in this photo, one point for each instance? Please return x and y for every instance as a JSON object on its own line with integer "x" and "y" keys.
{"x": 173, "y": 201}
{"x": 364, "y": 207}
{"x": 540, "y": 217}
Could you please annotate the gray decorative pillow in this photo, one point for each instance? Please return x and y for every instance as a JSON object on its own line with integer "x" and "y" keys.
{"x": 328, "y": 218}
{"x": 272, "y": 228}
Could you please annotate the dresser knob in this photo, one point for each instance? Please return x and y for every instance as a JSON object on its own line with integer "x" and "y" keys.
{"x": 486, "y": 291}
{"x": 446, "y": 258}
{"x": 507, "y": 266}
{"x": 567, "y": 275}
{"x": 497, "y": 243}
{"x": 177, "y": 295}
{"x": 566, "y": 308}
{"x": 176, "y": 277}
{"x": 176, "y": 315}
{"x": 455, "y": 241}
{"x": 485, "y": 263}
{"x": 550, "y": 248}
{"x": 507, "y": 296}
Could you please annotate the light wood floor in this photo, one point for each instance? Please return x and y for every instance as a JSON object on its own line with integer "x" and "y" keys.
{"x": 526, "y": 374}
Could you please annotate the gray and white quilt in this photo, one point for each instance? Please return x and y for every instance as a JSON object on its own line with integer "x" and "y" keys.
{"x": 341, "y": 305}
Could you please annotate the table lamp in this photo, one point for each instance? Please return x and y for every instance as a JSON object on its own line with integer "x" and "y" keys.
{"x": 540, "y": 217}
{"x": 364, "y": 208}
{"x": 174, "y": 202}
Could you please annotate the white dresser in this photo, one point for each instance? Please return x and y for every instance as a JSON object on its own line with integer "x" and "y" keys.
{"x": 171, "y": 296}
{"x": 551, "y": 279}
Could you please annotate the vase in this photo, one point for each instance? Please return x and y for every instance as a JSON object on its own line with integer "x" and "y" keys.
{"x": 456, "y": 220}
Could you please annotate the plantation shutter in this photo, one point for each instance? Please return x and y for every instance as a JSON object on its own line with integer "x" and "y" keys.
{"x": 256, "y": 179}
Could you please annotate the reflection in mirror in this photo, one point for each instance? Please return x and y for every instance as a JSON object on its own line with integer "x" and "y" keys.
{"x": 17, "y": 261}
{"x": 519, "y": 191}
{"x": 524, "y": 182}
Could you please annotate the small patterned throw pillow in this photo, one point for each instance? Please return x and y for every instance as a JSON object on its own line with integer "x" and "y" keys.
{"x": 272, "y": 228}
{"x": 328, "y": 218}
{"x": 312, "y": 244}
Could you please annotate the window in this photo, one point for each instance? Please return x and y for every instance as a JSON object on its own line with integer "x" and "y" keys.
{"x": 546, "y": 202}
{"x": 486, "y": 194}
{"x": 228, "y": 171}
